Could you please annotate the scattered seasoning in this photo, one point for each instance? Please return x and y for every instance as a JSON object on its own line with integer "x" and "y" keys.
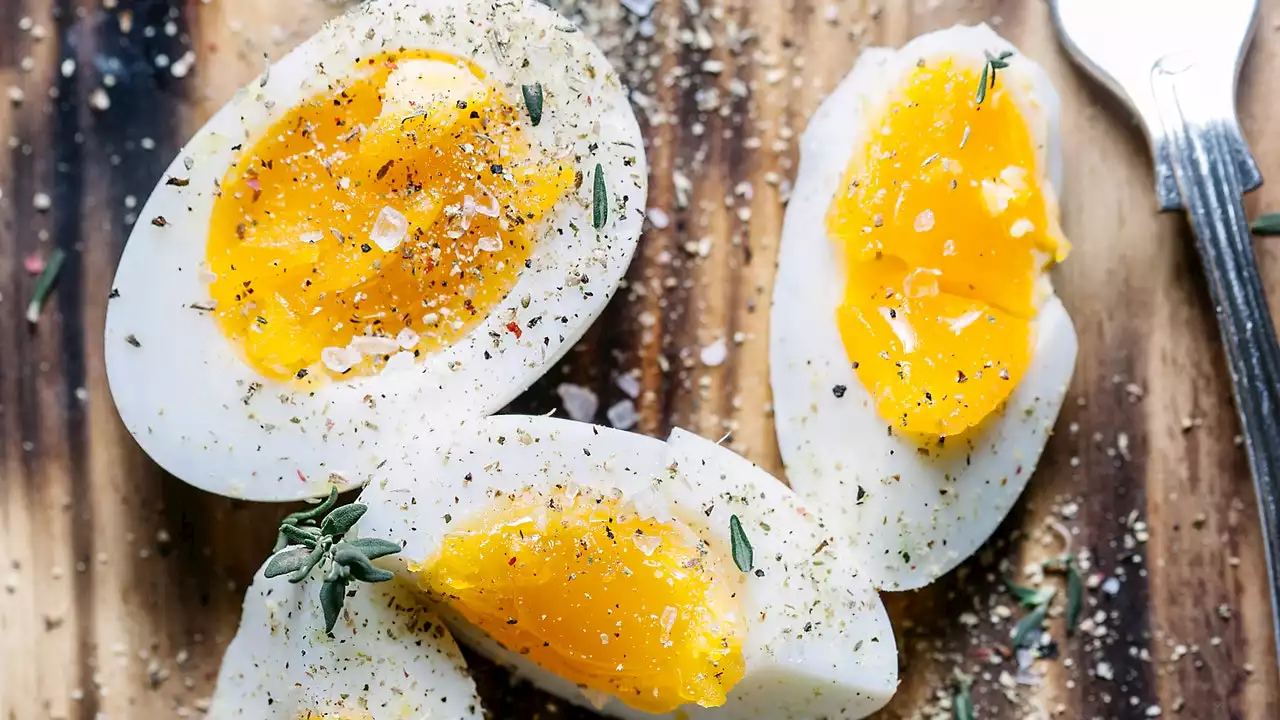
{"x": 1266, "y": 225}
{"x": 533, "y": 102}
{"x": 988, "y": 77}
{"x": 44, "y": 284}
{"x": 839, "y": 390}
{"x": 599, "y": 200}
{"x": 159, "y": 221}
{"x": 178, "y": 182}
{"x": 740, "y": 546}
{"x": 132, "y": 340}
{"x": 306, "y": 541}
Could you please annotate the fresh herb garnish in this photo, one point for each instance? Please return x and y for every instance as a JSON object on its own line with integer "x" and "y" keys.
{"x": 44, "y": 284}
{"x": 740, "y": 546}
{"x": 307, "y": 541}
{"x": 1030, "y": 597}
{"x": 1027, "y": 631}
{"x": 533, "y": 102}
{"x": 962, "y": 700}
{"x": 988, "y": 79}
{"x": 1075, "y": 597}
{"x": 1268, "y": 224}
{"x": 599, "y": 200}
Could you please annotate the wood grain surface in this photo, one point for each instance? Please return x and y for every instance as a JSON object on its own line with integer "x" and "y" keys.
{"x": 122, "y": 586}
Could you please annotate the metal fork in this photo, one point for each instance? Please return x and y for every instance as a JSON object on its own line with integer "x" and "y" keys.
{"x": 1175, "y": 62}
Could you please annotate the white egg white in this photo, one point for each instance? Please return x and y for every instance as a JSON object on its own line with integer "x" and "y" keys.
{"x": 387, "y": 658}
{"x": 818, "y": 642}
{"x": 910, "y": 517}
{"x": 182, "y": 388}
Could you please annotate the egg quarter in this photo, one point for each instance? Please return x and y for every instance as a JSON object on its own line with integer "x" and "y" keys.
{"x": 480, "y": 283}
{"x": 599, "y": 565}
{"x": 912, "y": 505}
{"x": 389, "y": 658}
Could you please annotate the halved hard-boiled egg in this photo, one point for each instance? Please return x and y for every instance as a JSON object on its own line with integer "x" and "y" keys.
{"x": 401, "y": 223}
{"x": 387, "y": 659}
{"x": 638, "y": 576}
{"x": 919, "y": 356}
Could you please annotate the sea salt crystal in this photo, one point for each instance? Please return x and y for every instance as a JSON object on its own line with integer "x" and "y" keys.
{"x": 389, "y": 228}
{"x": 407, "y": 339}
{"x": 641, "y": 8}
{"x": 311, "y": 237}
{"x": 646, "y": 543}
{"x": 373, "y": 345}
{"x": 629, "y": 384}
{"x": 659, "y": 218}
{"x": 714, "y": 354}
{"x": 622, "y": 415}
{"x": 489, "y": 244}
{"x": 579, "y": 402}
{"x": 339, "y": 359}
{"x": 669, "y": 616}
{"x": 924, "y": 221}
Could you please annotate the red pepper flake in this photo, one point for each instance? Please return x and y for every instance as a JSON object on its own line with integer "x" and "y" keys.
{"x": 515, "y": 328}
{"x": 34, "y": 263}
{"x": 512, "y": 561}
{"x": 302, "y": 477}
{"x": 159, "y": 221}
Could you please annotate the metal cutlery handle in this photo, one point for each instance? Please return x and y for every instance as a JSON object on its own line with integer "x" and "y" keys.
{"x": 1203, "y": 152}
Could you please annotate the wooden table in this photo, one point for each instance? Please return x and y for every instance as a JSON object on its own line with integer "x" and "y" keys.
{"x": 122, "y": 585}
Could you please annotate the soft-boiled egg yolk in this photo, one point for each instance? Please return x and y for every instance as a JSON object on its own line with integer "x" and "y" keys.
{"x": 618, "y": 603}
{"x": 947, "y": 229}
{"x": 390, "y": 215}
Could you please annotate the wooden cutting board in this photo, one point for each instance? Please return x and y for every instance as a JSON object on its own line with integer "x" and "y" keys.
{"x": 122, "y": 586}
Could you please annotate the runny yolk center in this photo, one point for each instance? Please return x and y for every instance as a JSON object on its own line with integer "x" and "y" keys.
{"x": 387, "y": 217}
{"x": 947, "y": 230}
{"x": 620, "y": 604}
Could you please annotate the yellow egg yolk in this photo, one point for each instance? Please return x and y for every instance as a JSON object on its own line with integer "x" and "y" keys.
{"x": 946, "y": 229}
{"x": 389, "y": 215}
{"x": 620, "y": 604}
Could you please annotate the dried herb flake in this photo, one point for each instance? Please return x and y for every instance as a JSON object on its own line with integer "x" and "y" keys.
{"x": 740, "y": 546}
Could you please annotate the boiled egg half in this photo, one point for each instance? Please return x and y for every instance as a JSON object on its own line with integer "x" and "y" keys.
{"x": 637, "y": 576}
{"x": 919, "y": 356}
{"x": 401, "y": 223}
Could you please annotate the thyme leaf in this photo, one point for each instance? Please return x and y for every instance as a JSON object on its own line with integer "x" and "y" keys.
{"x": 333, "y": 593}
{"x": 962, "y": 700}
{"x": 739, "y": 545}
{"x": 44, "y": 284}
{"x": 599, "y": 200}
{"x": 1268, "y": 224}
{"x": 1027, "y": 631}
{"x": 1028, "y": 596}
{"x": 533, "y": 102}
{"x": 1075, "y": 597}
{"x": 287, "y": 561}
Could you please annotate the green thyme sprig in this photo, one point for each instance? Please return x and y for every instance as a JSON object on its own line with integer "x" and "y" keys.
{"x": 1027, "y": 632}
{"x": 988, "y": 79}
{"x": 316, "y": 537}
